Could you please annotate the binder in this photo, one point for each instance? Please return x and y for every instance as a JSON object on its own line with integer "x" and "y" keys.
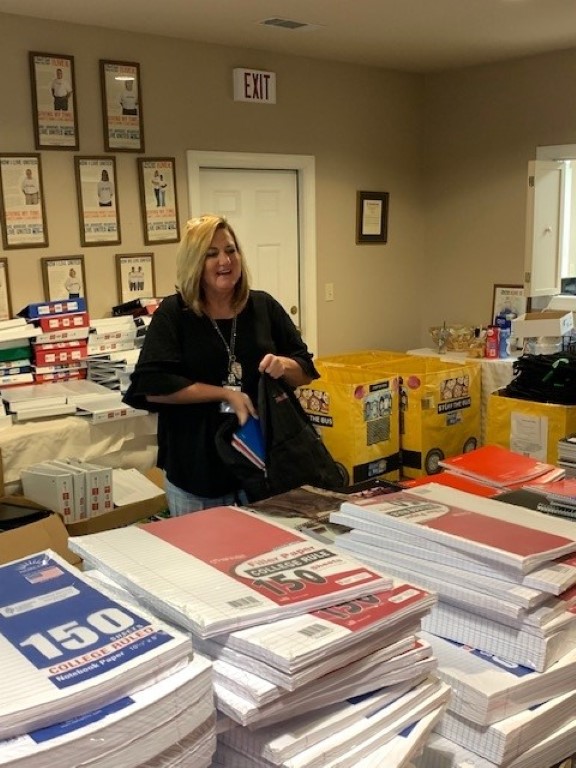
{"x": 79, "y": 485}
{"x": 98, "y": 487}
{"x": 53, "y": 488}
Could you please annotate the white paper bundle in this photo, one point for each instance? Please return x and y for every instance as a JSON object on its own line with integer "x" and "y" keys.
{"x": 497, "y": 532}
{"x": 294, "y": 643}
{"x": 507, "y": 739}
{"x": 126, "y": 731}
{"x": 264, "y": 689}
{"x": 359, "y": 740}
{"x": 442, "y": 753}
{"x": 284, "y": 740}
{"x": 225, "y": 568}
{"x": 320, "y": 694}
{"x": 356, "y": 676}
{"x": 552, "y": 577}
{"x": 470, "y": 594}
{"x": 518, "y": 647}
{"x": 486, "y": 689}
{"x": 67, "y": 647}
{"x": 196, "y": 749}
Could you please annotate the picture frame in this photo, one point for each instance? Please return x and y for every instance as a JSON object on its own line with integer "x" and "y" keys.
{"x": 122, "y": 106}
{"x": 158, "y": 199}
{"x": 53, "y": 89}
{"x": 22, "y": 212}
{"x": 63, "y": 277}
{"x": 135, "y": 276}
{"x": 372, "y": 217}
{"x": 98, "y": 204}
{"x": 508, "y": 296}
{"x": 5, "y": 293}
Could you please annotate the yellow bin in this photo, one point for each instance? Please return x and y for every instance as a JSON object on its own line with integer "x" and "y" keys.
{"x": 439, "y": 410}
{"x": 356, "y": 413}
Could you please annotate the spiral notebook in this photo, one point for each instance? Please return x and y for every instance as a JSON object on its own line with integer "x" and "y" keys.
{"x": 249, "y": 441}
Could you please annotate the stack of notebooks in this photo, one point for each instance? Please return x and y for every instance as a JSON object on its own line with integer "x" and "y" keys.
{"x": 316, "y": 660}
{"x": 98, "y": 682}
{"x": 80, "y": 397}
{"x": 504, "y": 629}
{"x": 567, "y": 455}
{"x": 492, "y": 564}
{"x": 60, "y": 346}
{"x": 16, "y": 352}
{"x": 111, "y": 334}
{"x": 500, "y": 467}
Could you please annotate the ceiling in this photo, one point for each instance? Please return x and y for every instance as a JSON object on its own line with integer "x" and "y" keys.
{"x": 408, "y": 35}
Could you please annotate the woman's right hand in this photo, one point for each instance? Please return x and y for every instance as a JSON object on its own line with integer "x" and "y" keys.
{"x": 240, "y": 404}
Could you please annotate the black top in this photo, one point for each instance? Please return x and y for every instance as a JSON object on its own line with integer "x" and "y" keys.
{"x": 181, "y": 348}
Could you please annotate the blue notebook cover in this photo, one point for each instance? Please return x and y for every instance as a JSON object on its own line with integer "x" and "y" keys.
{"x": 250, "y": 437}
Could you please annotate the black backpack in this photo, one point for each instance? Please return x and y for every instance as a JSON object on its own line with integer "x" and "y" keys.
{"x": 295, "y": 453}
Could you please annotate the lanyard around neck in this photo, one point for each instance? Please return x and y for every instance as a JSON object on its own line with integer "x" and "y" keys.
{"x": 234, "y": 367}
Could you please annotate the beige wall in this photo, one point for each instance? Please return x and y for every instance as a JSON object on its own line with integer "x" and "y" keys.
{"x": 362, "y": 125}
{"x": 483, "y": 125}
{"x": 451, "y": 149}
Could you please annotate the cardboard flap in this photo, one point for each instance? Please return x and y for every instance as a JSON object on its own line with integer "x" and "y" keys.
{"x": 49, "y": 533}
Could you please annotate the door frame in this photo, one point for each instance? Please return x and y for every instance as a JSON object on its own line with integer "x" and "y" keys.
{"x": 305, "y": 167}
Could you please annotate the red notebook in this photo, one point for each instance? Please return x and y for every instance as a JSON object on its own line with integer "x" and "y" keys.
{"x": 500, "y": 467}
{"x": 454, "y": 480}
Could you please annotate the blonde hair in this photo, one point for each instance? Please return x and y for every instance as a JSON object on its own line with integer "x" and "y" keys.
{"x": 191, "y": 257}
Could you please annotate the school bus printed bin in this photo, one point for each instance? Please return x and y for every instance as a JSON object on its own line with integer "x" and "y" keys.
{"x": 356, "y": 413}
{"x": 439, "y": 410}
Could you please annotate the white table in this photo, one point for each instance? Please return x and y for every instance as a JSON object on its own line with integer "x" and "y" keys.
{"x": 125, "y": 443}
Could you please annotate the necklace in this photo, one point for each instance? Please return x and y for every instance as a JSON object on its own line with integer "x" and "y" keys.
{"x": 234, "y": 367}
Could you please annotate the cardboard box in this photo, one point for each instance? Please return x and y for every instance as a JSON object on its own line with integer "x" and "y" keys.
{"x": 49, "y": 533}
{"x": 546, "y": 323}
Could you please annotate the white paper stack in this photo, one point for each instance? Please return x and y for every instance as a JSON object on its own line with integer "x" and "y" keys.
{"x": 356, "y": 679}
{"x": 434, "y": 536}
{"x": 519, "y": 647}
{"x": 125, "y": 732}
{"x": 295, "y": 644}
{"x": 439, "y": 752}
{"x": 486, "y": 689}
{"x": 223, "y": 569}
{"x": 341, "y": 736}
{"x": 507, "y": 739}
{"x": 502, "y": 534}
{"x": 68, "y": 648}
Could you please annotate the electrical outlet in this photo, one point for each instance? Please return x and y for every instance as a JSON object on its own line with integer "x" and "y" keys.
{"x": 329, "y": 291}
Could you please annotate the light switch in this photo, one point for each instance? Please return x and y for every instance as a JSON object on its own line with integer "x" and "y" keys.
{"x": 329, "y": 291}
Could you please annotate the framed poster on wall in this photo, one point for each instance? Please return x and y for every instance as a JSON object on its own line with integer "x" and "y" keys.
{"x": 122, "y": 106}
{"x": 98, "y": 205}
{"x": 63, "y": 278}
{"x": 157, "y": 178}
{"x": 22, "y": 213}
{"x": 135, "y": 276}
{"x": 53, "y": 101}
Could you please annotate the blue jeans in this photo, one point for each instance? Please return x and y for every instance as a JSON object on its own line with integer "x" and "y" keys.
{"x": 181, "y": 502}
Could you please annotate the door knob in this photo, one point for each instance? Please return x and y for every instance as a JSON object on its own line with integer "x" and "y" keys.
{"x": 294, "y": 309}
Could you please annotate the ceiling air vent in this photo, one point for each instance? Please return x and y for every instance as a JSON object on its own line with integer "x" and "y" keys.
{"x": 285, "y": 23}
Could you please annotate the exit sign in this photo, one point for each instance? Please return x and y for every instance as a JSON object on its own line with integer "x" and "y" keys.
{"x": 255, "y": 85}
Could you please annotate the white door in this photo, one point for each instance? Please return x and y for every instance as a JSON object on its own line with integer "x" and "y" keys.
{"x": 304, "y": 169}
{"x": 262, "y": 206}
{"x": 544, "y": 228}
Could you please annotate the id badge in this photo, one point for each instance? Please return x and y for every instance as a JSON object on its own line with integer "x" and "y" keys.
{"x": 225, "y": 406}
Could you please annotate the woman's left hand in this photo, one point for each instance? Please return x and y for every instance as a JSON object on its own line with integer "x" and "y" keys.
{"x": 273, "y": 365}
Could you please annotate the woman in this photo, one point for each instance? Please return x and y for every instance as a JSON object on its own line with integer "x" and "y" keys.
{"x": 203, "y": 355}
{"x": 105, "y": 191}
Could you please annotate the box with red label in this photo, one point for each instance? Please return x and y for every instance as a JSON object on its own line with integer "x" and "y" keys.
{"x": 71, "y": 374}
{"x": 46, "y": 308}
{"x": 58, "y": 355}
{"x": 64, "y": 334}
{"x": 61, "y": 322}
